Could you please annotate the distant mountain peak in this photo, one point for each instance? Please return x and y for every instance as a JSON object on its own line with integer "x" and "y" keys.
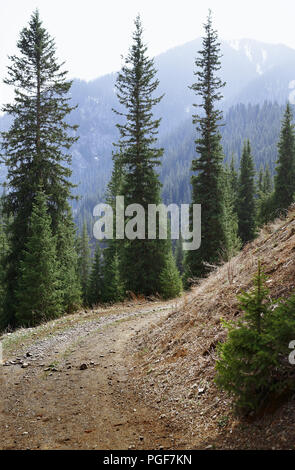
{"x": 261, "y": 56}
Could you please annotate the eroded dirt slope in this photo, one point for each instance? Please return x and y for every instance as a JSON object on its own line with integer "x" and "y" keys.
{"x": 177, "y": 358}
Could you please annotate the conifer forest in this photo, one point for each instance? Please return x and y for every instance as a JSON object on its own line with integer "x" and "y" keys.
{"x": 147, "y": 239}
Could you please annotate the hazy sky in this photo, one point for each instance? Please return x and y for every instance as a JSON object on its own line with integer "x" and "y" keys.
{"x": 91, "y": 35}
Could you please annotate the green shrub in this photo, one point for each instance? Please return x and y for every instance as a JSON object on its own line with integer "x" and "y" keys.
{"x": 170, "y": 280}
{"x": 253, "y": 363}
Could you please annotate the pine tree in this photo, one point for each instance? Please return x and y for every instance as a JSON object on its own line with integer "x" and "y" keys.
{"x": 265, "y": 197}
{"x": 252, "y": 363}
{"x": 232, "y": 241}
{"x": 112, "y": 284}
{"x": 285, "y": 169}
{"x": 113, "y": 288}
{"x": 246, "y": 358}
{"x": 68, "y": 262}
{"x": 207, "y": 184}
{"x": 35, "y": 147}
{"x": 253, "y": 303}
{"x": 95, "y": 279}
{"x": 234, "y": 182}
{"x": 4, "y": 251}
{"x": 143, "y": 260}
{"x": 260, "y": 180}
{"x": 179, "y": 256}
{"x": 267, "y": 183}
{"x": 246, "y": 196}
{"x": 266, "y": 208}
{"x": 84, "y": 262}
{"x": 38, "y": 290}
{"x": 114, "y": 187}
{"x": 170, "y": 282}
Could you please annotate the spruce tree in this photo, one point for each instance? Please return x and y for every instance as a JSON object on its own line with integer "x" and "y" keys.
{"x": 68, "y": 262}
{"x": 231, "y": 187}
{"x": 36, "y": 146}
{"x": 260, "y": 180}
{"x": 285, "y": 169}
{"x": 179, "y": 255}
{"x": 112, "y": 285}
{"x": 114, "y": 187}
{"x": 95, "y": 279}
{"x": 246, "y": 196}
{"x": 207, "y": 183}
{"x": 84, "y": 262}
{"x": 38, "y": 290}
{"x": 142, "y": 260}
{"x": 234, "y": 181}
{"x": 232, "y": 240}
{"x": 265, "y": 196}
{"x": 252, "y": 364}
{"x": 266, "y": 208}
{"x": 267, "y": 182}
{"x": 4, "y": 251}
{"x": 247, "y": 357}
{"x": 170, "y": 282}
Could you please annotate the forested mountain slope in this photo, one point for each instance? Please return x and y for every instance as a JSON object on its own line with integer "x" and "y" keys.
{"x": 258, "y": 123}
{"x": 255, "y": 72}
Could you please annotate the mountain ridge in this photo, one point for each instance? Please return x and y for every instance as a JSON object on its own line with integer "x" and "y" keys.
{"x": 92, "y": 154}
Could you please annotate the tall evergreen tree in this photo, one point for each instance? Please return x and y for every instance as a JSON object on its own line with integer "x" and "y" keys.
{"x": 285, "y": 169}
{"x": 143, "y": 260}
{"x": 38, "y": 290}
{"x": 207, "y": 183}
{"x": 246, "y": 196}
{"x": 36, "y": 145}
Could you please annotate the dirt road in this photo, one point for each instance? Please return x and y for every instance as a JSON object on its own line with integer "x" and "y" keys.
{"x": 64, "y": 385}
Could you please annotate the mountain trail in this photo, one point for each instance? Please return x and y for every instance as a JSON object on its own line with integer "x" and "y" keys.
{"x": 64, "y": 385}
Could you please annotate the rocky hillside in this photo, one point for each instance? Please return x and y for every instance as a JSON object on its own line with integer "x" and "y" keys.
{"x": 177, "y": 356}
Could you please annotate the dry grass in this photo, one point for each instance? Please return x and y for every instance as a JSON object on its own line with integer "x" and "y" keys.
{"x": 216, "y": 297}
